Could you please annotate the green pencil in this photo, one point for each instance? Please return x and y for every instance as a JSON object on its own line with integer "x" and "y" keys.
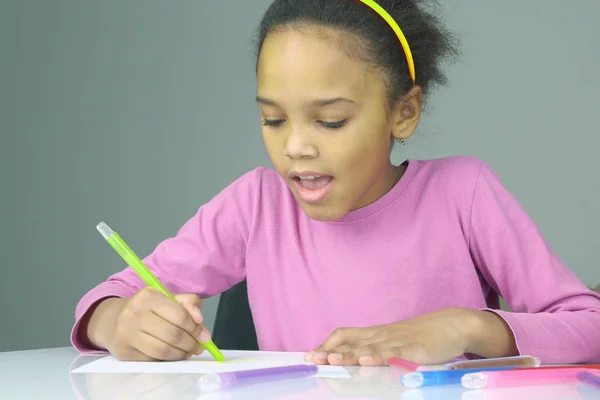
{"x": 144, "y": 273}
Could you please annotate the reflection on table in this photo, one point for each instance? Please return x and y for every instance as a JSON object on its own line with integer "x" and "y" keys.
{"x": 365, "y": 383}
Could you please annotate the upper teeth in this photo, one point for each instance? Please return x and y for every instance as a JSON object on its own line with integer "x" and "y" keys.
{"x": 310, "y": 177}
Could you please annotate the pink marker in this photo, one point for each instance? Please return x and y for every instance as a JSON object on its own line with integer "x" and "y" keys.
{"x": 401, "y": 363}
{"x": 519, "y": 377}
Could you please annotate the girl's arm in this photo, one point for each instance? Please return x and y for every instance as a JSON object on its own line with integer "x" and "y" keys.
{"x": 206, "y": 256}
{"x": 555, "y": 316}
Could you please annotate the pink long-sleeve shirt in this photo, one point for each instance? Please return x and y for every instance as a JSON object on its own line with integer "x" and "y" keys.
{"x": 447, "y": 235}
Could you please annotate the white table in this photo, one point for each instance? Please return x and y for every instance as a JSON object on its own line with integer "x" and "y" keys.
{"x": 45, "y": 374}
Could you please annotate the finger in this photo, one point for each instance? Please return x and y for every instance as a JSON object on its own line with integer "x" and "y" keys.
{"x": 337, "y": 338}
{"x": 344, "y": 335}
{"x": 349, "y": 352}
{"x": 351, "y": 355}
{"x": 131, "y": 354}
{"x": 193, "y": 305}
{"x": 165, "y": 331}
{"x": 203, "y": 337}
{"x": 325, "y": 357}
{"x": 369, "y": 354}
{"x": 322, "y": 357}
{"x": 159, "y": 350}
{"x": 316, "y": 357}
{"x": 173, "y": 312}
{"x": 197, "y": 351}
{"x": 410, "y": 352}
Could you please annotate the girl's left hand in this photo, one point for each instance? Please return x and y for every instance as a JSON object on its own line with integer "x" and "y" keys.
{"x": 434, "y": 338}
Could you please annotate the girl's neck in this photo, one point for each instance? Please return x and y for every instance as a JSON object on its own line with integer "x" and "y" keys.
{"x": 390, "y": 178}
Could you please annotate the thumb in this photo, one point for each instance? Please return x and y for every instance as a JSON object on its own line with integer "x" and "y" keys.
{"x": 192, "y": 304}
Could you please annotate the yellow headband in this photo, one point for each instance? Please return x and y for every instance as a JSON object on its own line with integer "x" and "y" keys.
{"x": 388, "y": 18}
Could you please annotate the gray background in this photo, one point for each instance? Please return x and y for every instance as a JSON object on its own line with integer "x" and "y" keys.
{"x": 137, "y": 112}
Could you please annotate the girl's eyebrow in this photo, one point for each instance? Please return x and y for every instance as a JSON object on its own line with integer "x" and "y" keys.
{"x": 316, "y": 103}
{"x": 326, "y": 102}
{"x": 267, "y": 102}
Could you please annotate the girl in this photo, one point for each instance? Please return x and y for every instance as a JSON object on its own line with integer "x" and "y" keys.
{"x": 348, "y": 257}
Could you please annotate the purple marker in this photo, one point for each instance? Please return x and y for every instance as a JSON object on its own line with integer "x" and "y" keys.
{"x": 589, "y": 378}
{"x": 224, "y": 380}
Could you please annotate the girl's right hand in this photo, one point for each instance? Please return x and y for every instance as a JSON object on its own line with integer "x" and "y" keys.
{"x": 150, "y": 326}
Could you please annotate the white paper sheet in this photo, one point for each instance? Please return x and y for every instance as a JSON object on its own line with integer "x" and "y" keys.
{"x": 205, "y": 363}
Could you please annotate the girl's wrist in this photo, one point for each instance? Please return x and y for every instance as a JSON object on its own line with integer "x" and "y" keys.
{"x": 103, "y": 320}
{"x": 488, "y": 335}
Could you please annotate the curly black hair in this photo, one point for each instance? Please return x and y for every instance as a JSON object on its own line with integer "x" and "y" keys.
{"x": 372, "y": 39}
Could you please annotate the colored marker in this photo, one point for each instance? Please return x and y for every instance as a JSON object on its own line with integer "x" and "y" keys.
{"x": 403, "y": 364}
{"x": 225, "y": 380}
{"x": 589, "y": 378}
{"x": 421, "y": 379}
{"x": 144, "y": 273}
{"x": 519, "y": 377}
{"x": 584, "y": 366}
{"x": 517, "y": 361}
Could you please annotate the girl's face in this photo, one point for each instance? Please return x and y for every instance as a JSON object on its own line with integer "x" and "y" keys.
{"x": 326, "y": 123}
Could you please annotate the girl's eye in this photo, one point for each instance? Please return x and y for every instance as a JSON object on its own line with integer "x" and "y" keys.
{"x": 333, "y": 125}
{"x": 273, "y": 122}
{"x": 328, "y": 125}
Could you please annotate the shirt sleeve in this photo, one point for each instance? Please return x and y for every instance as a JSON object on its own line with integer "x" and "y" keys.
{"x": 554, "y": 315}
{"x": 205, "y": 257}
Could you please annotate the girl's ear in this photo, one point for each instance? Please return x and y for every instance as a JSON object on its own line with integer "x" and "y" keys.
{"x": 406, "y": 114}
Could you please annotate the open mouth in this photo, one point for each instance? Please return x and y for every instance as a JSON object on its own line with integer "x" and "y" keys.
{"x": 313, "y": 182}
{"x": 313, "y": 188}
